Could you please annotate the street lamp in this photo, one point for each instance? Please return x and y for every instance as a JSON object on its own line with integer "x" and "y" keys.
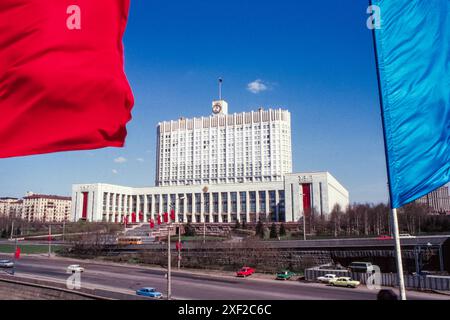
{"x": 205, "y": 191}
{"x": 169, "y": 261}
{"x": 304, "y": 220}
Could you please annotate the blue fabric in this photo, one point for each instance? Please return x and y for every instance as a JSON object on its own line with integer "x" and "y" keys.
{"x": 413, "y": 54}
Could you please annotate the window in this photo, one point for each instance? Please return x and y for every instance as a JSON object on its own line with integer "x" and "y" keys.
{"x": 252, "y": 195}
{"x": 233, "y": 202}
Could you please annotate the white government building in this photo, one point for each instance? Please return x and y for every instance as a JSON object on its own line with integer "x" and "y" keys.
{"x": 218, "y": 169}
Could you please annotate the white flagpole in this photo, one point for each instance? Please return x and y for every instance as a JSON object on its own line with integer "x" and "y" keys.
{"x": 398, "y": 254}
{"x": 394, "y": 218}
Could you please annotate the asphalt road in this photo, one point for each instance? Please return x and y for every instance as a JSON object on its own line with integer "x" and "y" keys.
{"x": 192, "y": 286}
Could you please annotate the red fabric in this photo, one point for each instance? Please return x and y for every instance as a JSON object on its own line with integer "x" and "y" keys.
{"x": 159, "y": 219}
{"x": 62, "y": 88}
{"x": 152, "y": 224}
{"x": 133, "y": 217}
{"x": 306, "y": 188}
{"x": 166, "y": 217}
{"x": 172, "y": 215}
{"x": 85, "y": 205}
{"x": 17, "y": 253}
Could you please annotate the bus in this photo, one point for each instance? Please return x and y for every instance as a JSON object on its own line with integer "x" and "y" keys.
{"x": 129, "y": 240}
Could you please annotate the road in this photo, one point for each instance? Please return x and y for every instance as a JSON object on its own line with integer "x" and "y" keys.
{"x": 192, "y": 286}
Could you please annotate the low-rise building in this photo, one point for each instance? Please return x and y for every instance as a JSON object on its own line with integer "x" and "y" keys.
{"x": 278, "y": 201}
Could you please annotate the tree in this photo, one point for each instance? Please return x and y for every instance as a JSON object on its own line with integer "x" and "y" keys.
{"x": 260, "y": 229}
{"x": 273, "y": 231}
{"x": 282, "y": 230}
{"x": 189, "y": 230}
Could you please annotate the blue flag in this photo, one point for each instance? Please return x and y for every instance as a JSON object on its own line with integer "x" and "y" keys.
{"x": 413, "y": 57}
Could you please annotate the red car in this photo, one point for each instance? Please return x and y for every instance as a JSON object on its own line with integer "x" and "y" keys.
{"x": 384, "y": 237}
{"x": 245, "y": 272}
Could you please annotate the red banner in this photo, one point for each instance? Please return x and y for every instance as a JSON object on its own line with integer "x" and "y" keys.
{"x": 17, "y": 253}
{"x": 62, "y": 80}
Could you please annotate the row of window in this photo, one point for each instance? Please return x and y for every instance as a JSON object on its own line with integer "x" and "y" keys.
{"x": 192, "y": 203}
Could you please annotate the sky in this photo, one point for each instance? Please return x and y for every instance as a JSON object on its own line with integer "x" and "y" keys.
{"x": 314, "y": 58}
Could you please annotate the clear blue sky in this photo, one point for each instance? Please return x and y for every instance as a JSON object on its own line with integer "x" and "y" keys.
{"x": 314, "y": 58}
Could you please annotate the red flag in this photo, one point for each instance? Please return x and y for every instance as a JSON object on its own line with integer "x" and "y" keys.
{"x": 62, "y": 81}
{"x": 152, "y": 224}
{"x": 159, "y": 219}
{"x": 166, "y": 217}
{"x": 172, "y": 215}
{"x": 17, "y": 253}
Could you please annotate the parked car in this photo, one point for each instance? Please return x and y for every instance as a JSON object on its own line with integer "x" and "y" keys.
{"x": 285, "y": 275}
{"x": 365, "y": 267}
{"x": 6, "y": 264}
{"x": 75, "y": 268}
{"x": 406, "y": 236}
{"x": 326, "y": 278}
{"x": 149, "y": 292}
{"x": 385, "y": 237}
{"x": 344, "y": 282}
{"x": 245, "y": 272}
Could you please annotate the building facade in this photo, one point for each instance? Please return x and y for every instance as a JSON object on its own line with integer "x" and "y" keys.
{"x": 438, "y": 201}
{"x": 37, "y": 207}
{"x": 224, "y": 148}
{"x": 11, "y": 207}
{"x": 218, "y": 169}
{"x": 278, "y": 201}
{"x": 46, "y": 208}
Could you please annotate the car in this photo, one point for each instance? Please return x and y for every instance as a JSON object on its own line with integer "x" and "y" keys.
{"x": 326, "y": 278}
{"x": 405, "y": 236}
{"x": 364, "y": 267}
{"x": 245, "y": 272}
{"x": 385, "y": 237}
{"x": 73, "y": 268}
{"x": 149, "y": 292}
{"x": 285, "y": 275}
{"x": 6, "y": 264}
{"x": 344, "y": 282}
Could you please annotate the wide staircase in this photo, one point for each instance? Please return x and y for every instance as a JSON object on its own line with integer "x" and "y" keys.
{"x": 146, "y": 234}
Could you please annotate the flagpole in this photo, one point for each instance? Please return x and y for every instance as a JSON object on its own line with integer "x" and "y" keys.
{"x": 394, "y": 217}
{"x": 169, "y": 262}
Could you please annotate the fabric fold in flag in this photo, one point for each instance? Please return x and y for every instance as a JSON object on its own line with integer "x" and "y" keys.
{"x": 413, "y": 57}
{"x": 62, "y": 80}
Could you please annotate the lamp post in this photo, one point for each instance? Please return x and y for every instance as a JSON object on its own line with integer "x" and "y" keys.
{"x": 304, "y": 220}
{"x": 205, "y": 191}
{"x": 179, "y": 245}
{"x": 49, "y": 240}
{"x": 169, "y": 260}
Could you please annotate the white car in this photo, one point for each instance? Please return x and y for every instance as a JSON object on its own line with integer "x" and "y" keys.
{"x": 75, "y": 268}
{"x": 405, "y": 236}
{"x": 326, "y": 278}
{"x": 6, "y": 264}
